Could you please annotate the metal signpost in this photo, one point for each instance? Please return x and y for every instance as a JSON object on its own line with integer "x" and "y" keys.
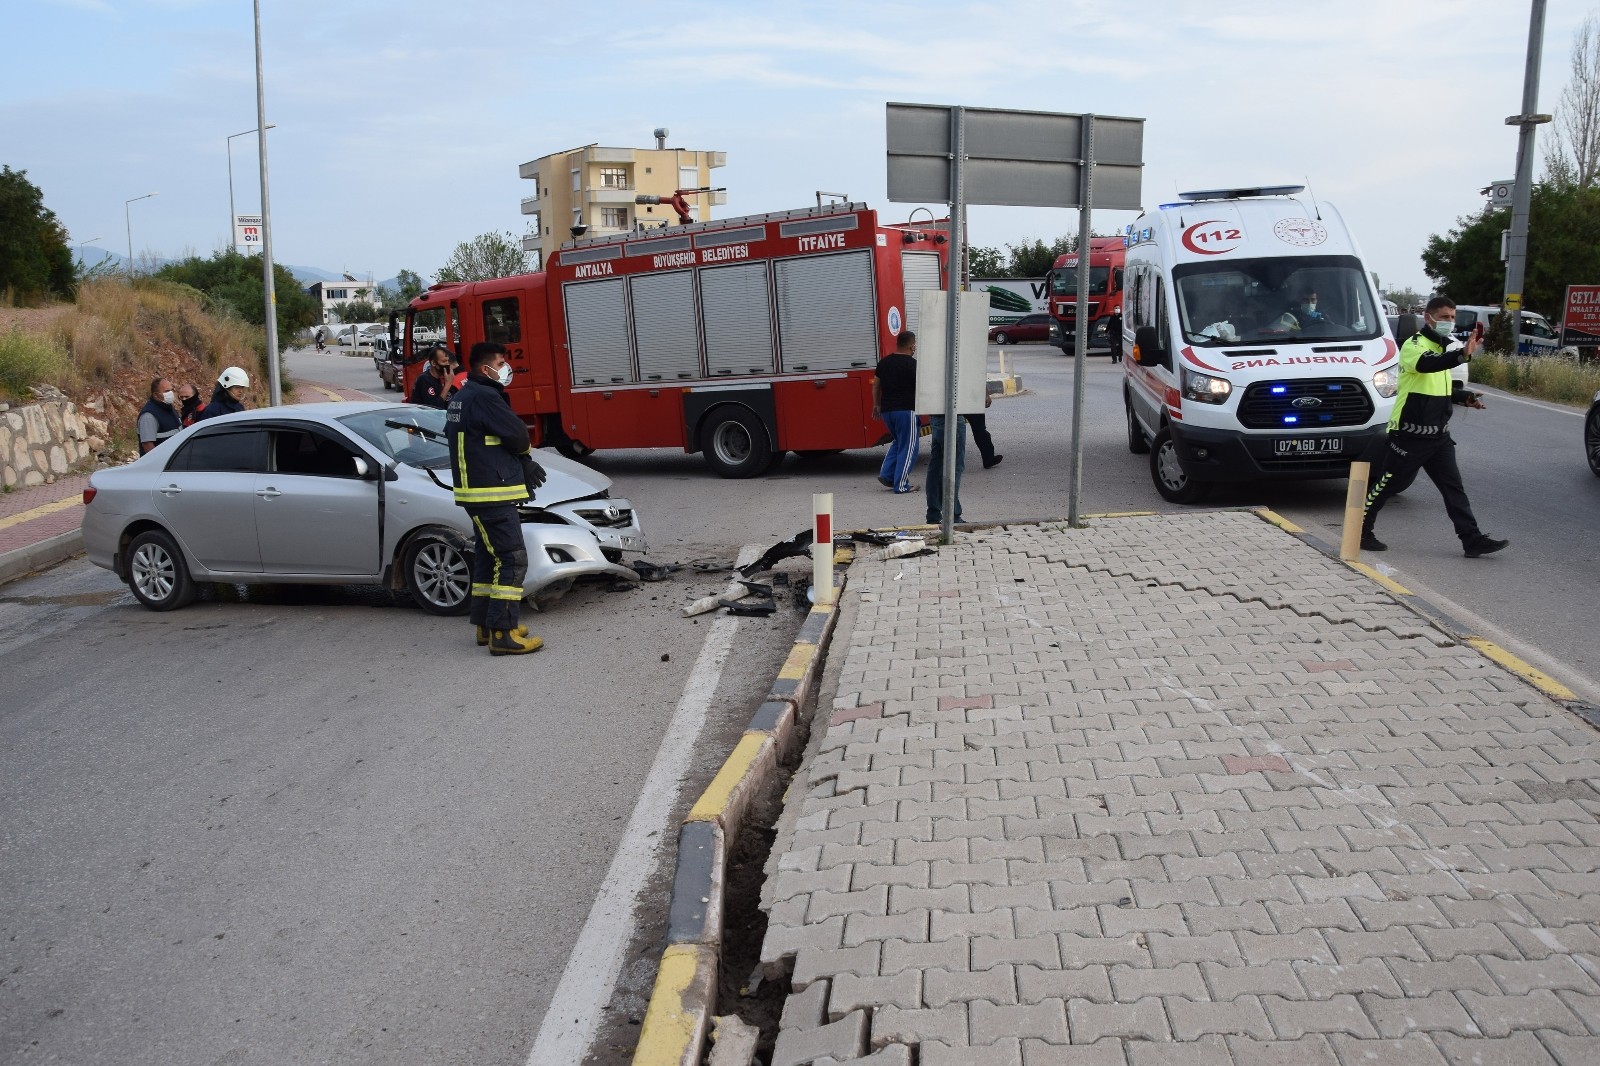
{"x": 1526, "y": 122}
{"x": 978, "y": 155}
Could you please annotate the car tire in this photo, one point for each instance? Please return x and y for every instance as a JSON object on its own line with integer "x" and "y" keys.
{"x": 1001, "y": 338}
{"x": 735, "y": 442}
{"x": 1591, "y": 439}
{"x": 1138, "y": 443}
{"x": 438, "y": 571}
{"x": 158, "y": 576}
{"x": 1171, "y": 481}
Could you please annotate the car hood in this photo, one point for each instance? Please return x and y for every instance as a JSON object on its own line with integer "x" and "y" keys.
{"x": 565, "y": 480}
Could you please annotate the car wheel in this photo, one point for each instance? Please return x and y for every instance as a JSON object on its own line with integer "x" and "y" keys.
{"x": 1167, "y": 472}
{"x": 1591, "y": 439}
{"x": 735, "y": 442}
{"x": 157, "y": 574}
{"x": 1000, "y": 338}
{"x": 1138, "y": 444}
{"x": 439, "y": 574}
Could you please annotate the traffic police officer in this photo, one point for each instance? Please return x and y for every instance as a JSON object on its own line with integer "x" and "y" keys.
{"x": 491, "y": 458}
{"x": 1419, "y": 429}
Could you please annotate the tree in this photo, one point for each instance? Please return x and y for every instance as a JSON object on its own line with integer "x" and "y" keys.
{"x": 1033, "y": 259}
{"x": 233, "y": 284}
{"x": 408, "y": 286}
{"x": 1563, "y": 249}
{"x": 984, "y": 262}
{"x": 488, "y": 255}
{"x": 1575, "y": 157}
{"x": 1405, "y": 299}
{"x": 35, "y": 260}
{"x": 359, "y": 311}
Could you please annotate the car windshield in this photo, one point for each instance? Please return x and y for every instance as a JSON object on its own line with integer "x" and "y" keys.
{"x": 1064, "y": 281}
{"x": 1283, "y": 300}
{"x": 412, "y": 435}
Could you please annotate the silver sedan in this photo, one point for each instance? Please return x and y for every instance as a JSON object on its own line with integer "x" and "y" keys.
{"x": 335, "y": 494}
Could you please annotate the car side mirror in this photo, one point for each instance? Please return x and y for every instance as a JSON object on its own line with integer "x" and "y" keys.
{"x": 363, "y": 470}
{"x": 1147, "y": 350}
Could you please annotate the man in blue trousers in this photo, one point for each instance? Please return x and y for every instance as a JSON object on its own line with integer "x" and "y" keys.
{"x": 894, "y": 395}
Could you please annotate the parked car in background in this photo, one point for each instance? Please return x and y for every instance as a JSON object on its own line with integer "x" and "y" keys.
{"x": 335, "y": 494}
{"x": 1536, "y": 337}
{"x": 1026, "y": 328}
{"x": 1591, "y": 435}
{"x": 386, "y": 359}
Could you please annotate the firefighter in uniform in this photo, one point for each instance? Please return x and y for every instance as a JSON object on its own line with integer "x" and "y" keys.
{"x": 491, "y": 459}
{"x": 1419, "y": 430}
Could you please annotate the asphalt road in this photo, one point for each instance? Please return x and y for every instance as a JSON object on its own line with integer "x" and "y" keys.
{"x": 314, "y": 827}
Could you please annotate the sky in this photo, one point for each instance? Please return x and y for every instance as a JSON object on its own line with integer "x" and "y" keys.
{"x": 400, "y": 125}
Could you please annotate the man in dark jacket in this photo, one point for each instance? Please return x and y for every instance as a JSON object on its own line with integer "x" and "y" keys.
{"x": 435, "y": 384}
{"x": 228, "y": 397}
{"x": 491, "y": 459}
{"x": 158, "y": 418}
{"x": 1419, "y": 430}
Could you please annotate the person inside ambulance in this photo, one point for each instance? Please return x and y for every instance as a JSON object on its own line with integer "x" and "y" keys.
{"x": 1306, "y": 309}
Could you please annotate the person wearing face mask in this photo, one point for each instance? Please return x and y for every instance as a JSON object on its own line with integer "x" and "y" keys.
{"x": 1306, "y": 309}
{"x": 228, "y": 397}
{"x": 491, "y": 459}
{"x": 188, "y": 403}
{"x": 1419, "y": 430}
{"x": 434, "y": 385}
{"x": 158, "y": 418}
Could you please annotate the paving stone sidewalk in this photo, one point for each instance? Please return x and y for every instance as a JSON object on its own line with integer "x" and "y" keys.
{"x": 1179, "y": 789}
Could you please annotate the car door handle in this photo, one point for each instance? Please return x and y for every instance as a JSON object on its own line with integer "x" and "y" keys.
{"x": 268, "y": 493}
{"x": 169, "y": 490}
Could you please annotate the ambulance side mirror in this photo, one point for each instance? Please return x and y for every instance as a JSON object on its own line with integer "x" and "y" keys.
{"x": 1147, "y": 349}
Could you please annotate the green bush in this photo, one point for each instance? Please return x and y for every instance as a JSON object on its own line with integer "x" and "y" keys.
{"x": 1547, "y": 377}
{"x": 29, "y": 359}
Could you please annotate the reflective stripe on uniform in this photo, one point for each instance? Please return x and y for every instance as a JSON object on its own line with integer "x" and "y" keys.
{"x": 483, "y": 534}
{"x": 490, "y": 440}
{"x": 504, "y": 592}
{"x": 492, "y": 494}
{"x": 461, "y": 463}
{"x": 481, "y": 589}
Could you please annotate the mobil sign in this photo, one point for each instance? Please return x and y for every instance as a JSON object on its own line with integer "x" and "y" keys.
{"x": 1580, "y": 324}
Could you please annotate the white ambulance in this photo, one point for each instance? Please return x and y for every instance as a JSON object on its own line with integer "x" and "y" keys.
{"x": 1260, "y": 347}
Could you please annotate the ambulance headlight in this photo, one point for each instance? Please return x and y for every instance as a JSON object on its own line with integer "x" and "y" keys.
{"x": 1205, "y": 388}
{"x": 1387, "y": 382}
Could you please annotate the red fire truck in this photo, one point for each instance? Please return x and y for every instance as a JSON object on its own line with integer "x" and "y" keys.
{"x": 742, "y": 338}
{"x": 1106, "y": 256}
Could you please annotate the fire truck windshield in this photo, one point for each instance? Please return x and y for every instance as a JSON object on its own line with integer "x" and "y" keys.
{"x": 1283, "y": 299}
{"x": 1064, "y": 281}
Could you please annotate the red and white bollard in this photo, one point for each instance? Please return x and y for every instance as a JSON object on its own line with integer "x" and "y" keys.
{"x": 822, "y": 547}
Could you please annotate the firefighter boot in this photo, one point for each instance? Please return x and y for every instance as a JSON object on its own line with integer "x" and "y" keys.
{"x": 516, "y": 641}
{"x": 483, "y": 634}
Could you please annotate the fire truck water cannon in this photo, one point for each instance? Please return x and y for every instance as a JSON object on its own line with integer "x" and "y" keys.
{"x": 678, "y": 201}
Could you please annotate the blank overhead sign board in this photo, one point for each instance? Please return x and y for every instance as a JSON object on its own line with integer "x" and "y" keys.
{"x": 1013, "y": 158}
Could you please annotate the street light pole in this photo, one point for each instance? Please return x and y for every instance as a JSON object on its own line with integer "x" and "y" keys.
{"x": 1527, "y": 122}
{"x": 127, "y": 219}
{"x": 273, "y": 377}
{"x": 232, "y": 216}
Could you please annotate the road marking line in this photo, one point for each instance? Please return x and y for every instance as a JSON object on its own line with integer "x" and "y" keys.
{"x": 570, "y": 1023}
{"x": 1546, "y": 405}
{"x": 41, "y": 511}
{"x": 1387, "y": 582}
{"x": 1525, "y": 670}
{"x": 333, "y": 397}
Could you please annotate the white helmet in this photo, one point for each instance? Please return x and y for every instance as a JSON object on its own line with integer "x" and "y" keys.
{"x": 233, "y": 376}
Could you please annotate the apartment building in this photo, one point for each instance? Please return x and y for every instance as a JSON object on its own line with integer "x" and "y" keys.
{"x": 596, "y": 187}
{"x": 331, "y": 296}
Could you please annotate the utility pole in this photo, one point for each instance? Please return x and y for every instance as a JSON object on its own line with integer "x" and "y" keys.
{"x": 1527, "y": 121}
{"x": 274, "y": 382}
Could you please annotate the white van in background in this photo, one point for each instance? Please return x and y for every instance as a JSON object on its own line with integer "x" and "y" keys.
{"x": 1536, "y": 337}
{"x": 1260, "y": 347}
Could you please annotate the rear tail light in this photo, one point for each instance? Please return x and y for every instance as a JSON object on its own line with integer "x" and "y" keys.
{"x": 88, "y": 494}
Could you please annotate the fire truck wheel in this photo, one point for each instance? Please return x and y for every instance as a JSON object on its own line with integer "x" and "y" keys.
{"x": 735, "y": 442}
{"x": 1172, "y": 481}
{"x": 574, "y": 450}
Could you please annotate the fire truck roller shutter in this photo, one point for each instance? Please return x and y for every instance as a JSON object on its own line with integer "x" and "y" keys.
{"x": 736, "y": 427}
{"x": 826, "y": 317}
{"x": 920, "y": 272}
{"x": 664, "y": 326}
{"x": 736, "y": 305}
{"x": 597, "y": 329}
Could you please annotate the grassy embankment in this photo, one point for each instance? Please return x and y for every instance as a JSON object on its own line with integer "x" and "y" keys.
{"x": 1547, "y": 377}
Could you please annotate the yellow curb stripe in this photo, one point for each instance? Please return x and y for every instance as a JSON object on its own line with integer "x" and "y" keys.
{"x": 333, "y": 397}
{"x": 668, "y": 1032}
{"x": 41, "y": 511}
{"x": 1529, "y": 673}
{"x": 1278, "y": 520}
{"x": 713, "y": 802}
{"x": 794, "y": 667}
{"x": 1387, "y": 582}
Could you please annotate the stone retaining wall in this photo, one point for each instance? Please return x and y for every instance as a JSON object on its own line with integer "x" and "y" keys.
{"x": 42, "y": 441}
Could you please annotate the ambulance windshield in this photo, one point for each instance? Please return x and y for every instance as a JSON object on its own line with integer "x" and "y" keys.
{"x": 1287, "y": 300}
{"x": 1064, "y": 281}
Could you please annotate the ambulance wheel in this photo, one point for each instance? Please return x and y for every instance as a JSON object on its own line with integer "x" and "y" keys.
{"x": 438, "y": 573}
{"x": 1137, "y": 444}
{"x": 1167, "y": 472}
{"x": 735, "y": 442}
{"x": 1001, "y": 338}
{"x": 157, "y": 574}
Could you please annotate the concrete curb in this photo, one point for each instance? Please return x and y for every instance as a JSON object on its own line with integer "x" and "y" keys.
{"x": 678, "y": 1019}
{"x": 20, "y": 562}
{"x": 1443, "y": 620}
